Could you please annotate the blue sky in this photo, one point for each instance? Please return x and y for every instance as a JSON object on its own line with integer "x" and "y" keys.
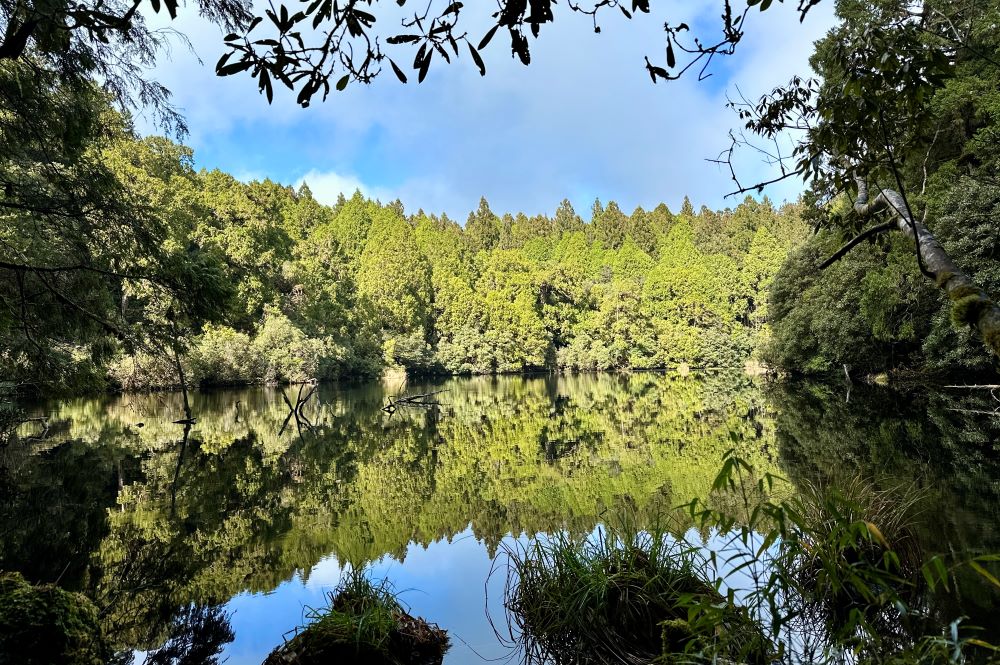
{"x": 583, "y": 121}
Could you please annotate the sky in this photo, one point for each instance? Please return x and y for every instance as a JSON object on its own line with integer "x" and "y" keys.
{"x": 583, "y": 121}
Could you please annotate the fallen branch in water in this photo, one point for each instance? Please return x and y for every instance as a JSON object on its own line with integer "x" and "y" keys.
{"x": 420, "y": 400}
{"x": 985, "y": 386}
{"x": 980, "y": 412}
{"x": 296, "y": 410}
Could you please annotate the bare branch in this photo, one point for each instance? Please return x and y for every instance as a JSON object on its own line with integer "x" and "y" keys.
{"x": 856, "y": 240}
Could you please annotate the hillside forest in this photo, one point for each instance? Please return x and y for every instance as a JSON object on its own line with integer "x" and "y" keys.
{"x": 285, "y": 289}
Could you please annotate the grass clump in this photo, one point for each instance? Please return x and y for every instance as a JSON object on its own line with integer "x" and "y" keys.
{"x": 614, "y": 598}
{"x": 364, "y": 624}
{"x": 829, "y": 575}
{"x": 857, "y": 565}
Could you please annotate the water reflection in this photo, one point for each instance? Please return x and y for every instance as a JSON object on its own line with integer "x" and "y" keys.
{"x": 943, "y": 441}
{"x": 115, "y": 503}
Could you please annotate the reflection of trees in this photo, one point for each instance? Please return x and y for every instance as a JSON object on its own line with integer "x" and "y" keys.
{"x": 53, "y": 507}
{"x": 931, "y": 439}
{"x": 197, "y": 635}
{"x": 155, "y": 532}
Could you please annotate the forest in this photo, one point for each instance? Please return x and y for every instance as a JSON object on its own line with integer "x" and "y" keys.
{"x": 286, "y": 289}
{"x": 125, "y": 267}
{"x": 301, "y": 291}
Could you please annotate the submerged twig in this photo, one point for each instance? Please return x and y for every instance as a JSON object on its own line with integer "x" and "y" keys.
{"x": 412, "y": 400}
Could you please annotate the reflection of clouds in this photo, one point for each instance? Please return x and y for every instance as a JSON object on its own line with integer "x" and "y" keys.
{"x": 325, "y": 575}
{"x": 582, "y": 121}
{"x": 261, "y": 621}
{"x": 444, "y": 583}
{"x": 452, "y": 582}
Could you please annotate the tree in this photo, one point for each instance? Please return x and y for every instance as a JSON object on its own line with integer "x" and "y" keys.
{"x": 396, "y": 278}
{"x": 482, "y": 229}
{"x": 687, "y": 294}
{"x": 79, "y": 246}
{"x": 93, "y": 232}
{"x": 525, "y": 229}
{"x": 77, "y": 42}
{"x": 643, "y": 231}
{"x": 352, "y": 224}
{"x": 566, "y": 219}
{"x": 610, "y": 225}
{"x": 891, "y": 125}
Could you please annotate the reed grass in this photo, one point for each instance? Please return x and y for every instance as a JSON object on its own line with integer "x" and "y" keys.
{"x": 612, "y": 597}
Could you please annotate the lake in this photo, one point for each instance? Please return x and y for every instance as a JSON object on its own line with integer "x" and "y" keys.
{"x": 256, "y": 513}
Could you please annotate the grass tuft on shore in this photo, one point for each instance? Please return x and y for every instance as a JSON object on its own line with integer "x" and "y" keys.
{"x": 364, "y": 623}
{"x": 615, "y": 598}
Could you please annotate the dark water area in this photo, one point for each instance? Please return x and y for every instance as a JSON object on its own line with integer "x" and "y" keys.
{"x": 258, "y": 516}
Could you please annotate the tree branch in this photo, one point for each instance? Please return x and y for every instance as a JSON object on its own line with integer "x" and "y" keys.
{"x": 856, "y": 240}
{"x": 970, "y": 305}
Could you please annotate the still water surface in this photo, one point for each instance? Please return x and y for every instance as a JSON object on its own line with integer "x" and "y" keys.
{"x": 260, "y": 516}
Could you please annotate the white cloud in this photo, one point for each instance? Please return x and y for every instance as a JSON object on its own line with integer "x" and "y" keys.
{"x": 430, "y": 194}
{"x": 325, "y": 575}
{"x": 244, "y": 175}
{"x": 582, "y": 121}
{"x": 326, "y": 186}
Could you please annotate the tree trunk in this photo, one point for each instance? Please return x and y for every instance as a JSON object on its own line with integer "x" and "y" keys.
{"x": 970, "y": 305}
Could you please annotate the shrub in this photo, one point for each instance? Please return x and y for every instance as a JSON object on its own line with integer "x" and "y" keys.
{"x": 286, "y": 354}
{"x": 615, "y": 598}
{"x": 144, "y": 371}
{"x": 44, "y": 624}
{"x": 223, "y": 356}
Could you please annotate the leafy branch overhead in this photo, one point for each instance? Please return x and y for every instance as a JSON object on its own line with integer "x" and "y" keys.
{"x": 321, "y": 45}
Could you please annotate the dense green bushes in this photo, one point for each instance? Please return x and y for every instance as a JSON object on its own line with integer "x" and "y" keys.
{"x": 873, "y": 311}
{"x": 868, "y": 311}
{"x": 278, "y": 352}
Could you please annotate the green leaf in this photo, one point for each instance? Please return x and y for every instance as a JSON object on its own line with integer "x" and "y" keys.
{"x": 985, "y": 573}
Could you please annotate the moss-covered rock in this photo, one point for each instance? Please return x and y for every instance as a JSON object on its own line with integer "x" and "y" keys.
{"x": 44, "y": 624}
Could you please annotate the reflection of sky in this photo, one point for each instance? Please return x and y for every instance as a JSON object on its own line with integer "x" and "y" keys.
{"x": 448, "y": 583}
{"x": 444, "y": 583}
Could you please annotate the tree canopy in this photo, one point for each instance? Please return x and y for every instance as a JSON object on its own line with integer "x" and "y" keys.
{"x": 268, "y": 285}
